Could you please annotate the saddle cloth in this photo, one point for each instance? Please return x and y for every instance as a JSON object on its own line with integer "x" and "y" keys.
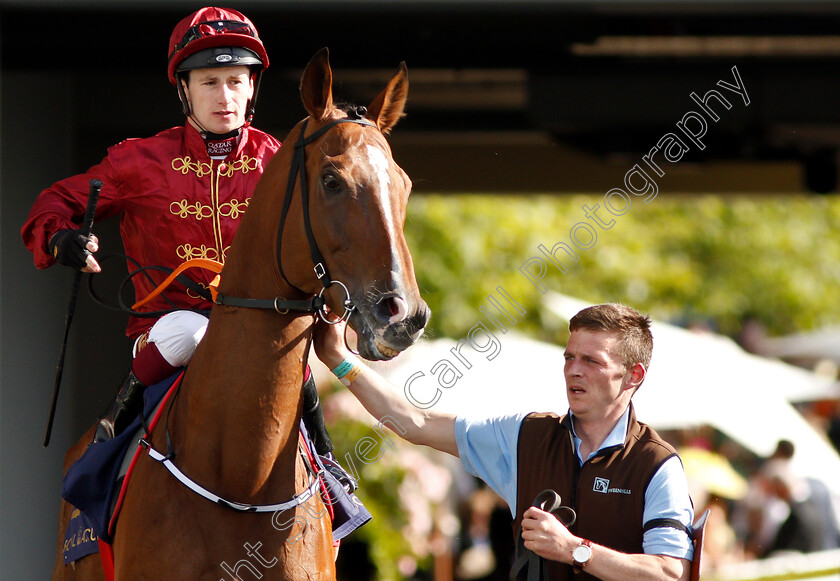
{"x": 80, "y": 539}
{"x": 92, "y": 483}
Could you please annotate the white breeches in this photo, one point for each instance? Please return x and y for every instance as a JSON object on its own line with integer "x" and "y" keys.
{"x": 176, "y": 336}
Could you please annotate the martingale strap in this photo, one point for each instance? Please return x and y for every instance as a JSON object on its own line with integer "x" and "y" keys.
{"x": 298, "y": 499}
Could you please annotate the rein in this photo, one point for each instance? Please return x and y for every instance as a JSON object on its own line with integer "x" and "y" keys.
{"x": 278, "y": 304}
{"x": 315, "y": 304}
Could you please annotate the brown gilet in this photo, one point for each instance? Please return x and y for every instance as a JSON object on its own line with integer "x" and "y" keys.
{"x": 607, "y": 492}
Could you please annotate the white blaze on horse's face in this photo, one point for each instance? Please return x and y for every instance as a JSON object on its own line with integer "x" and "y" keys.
{"x": 381, "y": 167}
{"x": 385, "y": 318}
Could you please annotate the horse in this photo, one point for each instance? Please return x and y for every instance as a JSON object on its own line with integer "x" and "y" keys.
{"x": 233, "y": 425}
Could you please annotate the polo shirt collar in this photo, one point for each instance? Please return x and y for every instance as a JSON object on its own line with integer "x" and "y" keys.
{"x": 616, "y": 438}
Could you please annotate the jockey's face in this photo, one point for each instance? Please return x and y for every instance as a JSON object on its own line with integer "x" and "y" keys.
{"x": 219, "y": 97}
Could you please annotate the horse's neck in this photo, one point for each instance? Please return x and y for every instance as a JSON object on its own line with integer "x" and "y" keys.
{"x": 240, "y": 410}
{"x": 240, "y": 405}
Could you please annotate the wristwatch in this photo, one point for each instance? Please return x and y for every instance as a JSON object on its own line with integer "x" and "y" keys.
{"x": 582, "y": 554}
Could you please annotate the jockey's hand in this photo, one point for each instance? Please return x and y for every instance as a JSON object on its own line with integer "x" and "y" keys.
{"x": 329, "y": 342}
{"x": 71, "y": 248}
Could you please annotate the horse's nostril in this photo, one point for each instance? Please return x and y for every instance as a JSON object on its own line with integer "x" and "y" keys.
{"x": 397, "y": 309}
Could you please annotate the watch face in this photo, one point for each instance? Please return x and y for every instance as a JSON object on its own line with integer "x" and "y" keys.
{"x": 582, "y": 553}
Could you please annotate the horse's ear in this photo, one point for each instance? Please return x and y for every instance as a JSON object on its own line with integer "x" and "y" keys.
{"x": 316, "y": 85}
{"x": 389, "y": 106}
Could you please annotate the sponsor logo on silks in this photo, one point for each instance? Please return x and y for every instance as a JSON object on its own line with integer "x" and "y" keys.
{"x": 602, "y": 485}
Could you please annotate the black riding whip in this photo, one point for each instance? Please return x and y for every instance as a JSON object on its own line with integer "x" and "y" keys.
{"x": 87, "y": 226}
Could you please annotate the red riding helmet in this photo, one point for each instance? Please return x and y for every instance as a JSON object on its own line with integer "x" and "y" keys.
{"x": 215, "y": 37}
{"x": 210, "y": 28}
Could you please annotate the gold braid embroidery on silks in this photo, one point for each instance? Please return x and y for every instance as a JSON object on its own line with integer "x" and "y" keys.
{"x": 244, "y": 164}
{"x": 189, "y": 252}
{"x": 185, "y": 164}
{"x": 232, "y": 209}
{"x": 184, "y": 209}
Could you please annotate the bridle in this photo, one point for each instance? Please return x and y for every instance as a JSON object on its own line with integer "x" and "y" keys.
{"x": 315, "y": 304}
{"x": 297, "y": 172}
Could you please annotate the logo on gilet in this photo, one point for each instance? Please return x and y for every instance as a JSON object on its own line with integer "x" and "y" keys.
{"x": 602, "y": 485}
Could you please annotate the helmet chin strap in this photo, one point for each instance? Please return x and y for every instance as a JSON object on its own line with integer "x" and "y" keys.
{"x": 198, "y": 125}
{"x": 210, "y": 136}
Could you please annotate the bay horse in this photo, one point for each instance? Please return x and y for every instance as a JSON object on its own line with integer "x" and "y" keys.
{"x": 234, "y": 423}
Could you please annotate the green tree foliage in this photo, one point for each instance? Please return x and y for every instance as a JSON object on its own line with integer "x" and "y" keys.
{"x": 379, "y": 481}
{"x": 719, "y": 259}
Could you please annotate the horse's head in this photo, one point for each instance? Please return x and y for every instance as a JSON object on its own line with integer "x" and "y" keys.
{"x": 356, "y": 197}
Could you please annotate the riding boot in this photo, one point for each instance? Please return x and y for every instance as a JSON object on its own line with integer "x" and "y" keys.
{"x": 127, "y": 405}
{"x": 313, "y": 418}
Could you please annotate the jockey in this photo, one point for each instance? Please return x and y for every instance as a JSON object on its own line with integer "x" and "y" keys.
{"x": 180, "y": 195}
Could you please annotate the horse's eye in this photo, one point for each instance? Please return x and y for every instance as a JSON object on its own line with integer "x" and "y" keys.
{"x": 330, "y": 182}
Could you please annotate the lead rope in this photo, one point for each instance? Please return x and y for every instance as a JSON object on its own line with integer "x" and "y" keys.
{"x": 536, "y": 567}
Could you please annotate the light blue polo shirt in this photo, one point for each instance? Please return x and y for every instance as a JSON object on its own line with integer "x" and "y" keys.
{"x": 488, "y": 449}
